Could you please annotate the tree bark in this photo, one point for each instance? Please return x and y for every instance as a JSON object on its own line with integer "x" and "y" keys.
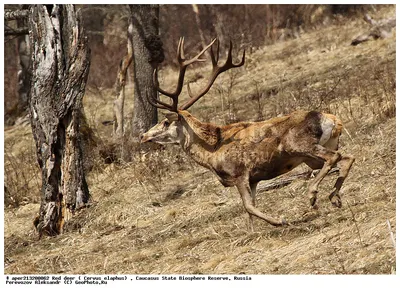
{"x": 24, "y": 72}
{"x": 60, "y": 66}
{"x": 147, "y": 54}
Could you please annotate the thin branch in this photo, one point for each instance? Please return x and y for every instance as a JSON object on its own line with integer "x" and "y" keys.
{"x": 15, "y": 14}
{"x": 355, "y": 222}
{"x": 16, "y": 31}
{"x": 322, "y": 98}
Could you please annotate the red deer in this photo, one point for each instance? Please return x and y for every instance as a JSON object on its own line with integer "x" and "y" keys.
{"x": 245, "y": 153}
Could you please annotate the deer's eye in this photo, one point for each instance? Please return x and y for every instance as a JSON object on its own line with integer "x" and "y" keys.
{"x": 166, "y": 123}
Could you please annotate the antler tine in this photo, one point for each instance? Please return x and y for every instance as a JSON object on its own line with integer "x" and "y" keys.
{"x": 229, "y": 63}
{"x": 214, "y": 60}
{"x": 155, "y": 83}
{"x": 197, "y": 57}
{"x": 242, "y": 61}
{"x": 180, "y": 55}
{"x": 216, "y": 70}
{"x": 158, "y": 103}
{"x": 229, "y": 58}
{"x": 155, "y": 104}
{"x": 173, "y": 95}
{"x": 183, "y": 64}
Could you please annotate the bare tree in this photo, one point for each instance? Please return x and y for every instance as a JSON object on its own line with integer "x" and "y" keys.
{"x": 147, "y": 54}
{"x": 24, "y": 64}
{"x": 20, "y": 15}
{"x": 60, "y": 66}
{"x": 198, "y": 21}
{"x": 119, "y": 102}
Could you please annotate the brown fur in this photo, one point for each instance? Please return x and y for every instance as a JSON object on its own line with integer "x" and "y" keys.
{"x": 244, "y": 153}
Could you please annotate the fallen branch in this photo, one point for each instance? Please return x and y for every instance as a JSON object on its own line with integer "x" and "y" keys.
{"x": 284, "y": 181}
{"x": 379, "y": 29}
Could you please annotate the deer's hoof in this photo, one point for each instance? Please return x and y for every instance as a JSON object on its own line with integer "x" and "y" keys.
{"x": 284, "y": 222}
{"x": 313, "y": 201}
{"x": 336, "y": 201}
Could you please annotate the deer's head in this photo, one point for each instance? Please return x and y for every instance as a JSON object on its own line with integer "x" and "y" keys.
{"x": 169, "y": 129}
{"x": 164, "y": 132}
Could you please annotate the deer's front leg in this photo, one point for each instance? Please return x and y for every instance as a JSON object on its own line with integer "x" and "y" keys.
{"x": 245, "y": 192}
{"x": 331, "y": 158}
{"x": 253, "y": 188}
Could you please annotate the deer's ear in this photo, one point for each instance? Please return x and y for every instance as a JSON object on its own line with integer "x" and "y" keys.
{"x": 171, "y": 116}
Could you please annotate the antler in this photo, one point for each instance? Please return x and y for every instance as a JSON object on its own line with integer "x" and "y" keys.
{"x": 183, "y": 64}
{"x": 216, "y": 70}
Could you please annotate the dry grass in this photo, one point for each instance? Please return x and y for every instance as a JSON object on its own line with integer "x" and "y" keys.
{"x": 22, "y": 174}
{"x": 161, "y": 213}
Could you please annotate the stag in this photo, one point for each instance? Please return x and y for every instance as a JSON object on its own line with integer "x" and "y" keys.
{"x": 245, "y": 153}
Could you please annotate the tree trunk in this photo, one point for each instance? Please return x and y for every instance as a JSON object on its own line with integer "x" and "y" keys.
{"x": 60, "y": 66}
{"x": 24, "y": 65}
{"x": 219, "y": 26}
{"x": 196, "y": 11}
{"x": 118, "y": 126}
{"x": 247, "y": 40}
{"x": 147, "y": 54}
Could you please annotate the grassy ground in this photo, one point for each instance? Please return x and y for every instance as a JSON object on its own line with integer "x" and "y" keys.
{"x": 162, "y": 213}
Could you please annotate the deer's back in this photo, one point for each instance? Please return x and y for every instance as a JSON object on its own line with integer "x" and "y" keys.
{"x": 270, "y": 148}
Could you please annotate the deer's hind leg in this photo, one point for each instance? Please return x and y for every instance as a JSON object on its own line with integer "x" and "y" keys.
{"x": 344, "y": 165}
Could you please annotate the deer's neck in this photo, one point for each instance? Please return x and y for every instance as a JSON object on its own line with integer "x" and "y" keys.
{"x": 199, "y": 139}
